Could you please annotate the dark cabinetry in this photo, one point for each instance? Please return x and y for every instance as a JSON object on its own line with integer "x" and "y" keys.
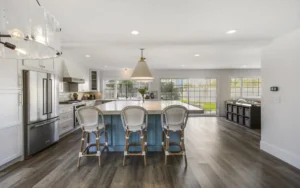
{"x": 246, "y": 115}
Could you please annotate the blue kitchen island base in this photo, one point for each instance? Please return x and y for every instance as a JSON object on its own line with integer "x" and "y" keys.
{"x": 116, "y": 135}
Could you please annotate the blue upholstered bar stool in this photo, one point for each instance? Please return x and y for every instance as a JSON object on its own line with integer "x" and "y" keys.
{"x": 173, "y": 119}
{"x": 89, "y": 120}
{"x": 135, "y": 120}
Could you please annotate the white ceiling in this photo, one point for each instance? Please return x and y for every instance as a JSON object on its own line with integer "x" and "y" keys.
{"x": 172, "y": 31}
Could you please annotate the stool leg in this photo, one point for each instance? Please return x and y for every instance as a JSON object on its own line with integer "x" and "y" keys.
{"x": 98, "y": 147}
{"x": 183, "y": 146}
{"x": 126, "y": 147}
{"x": 88, "y": 142}
{"x": 167, "y": 147}
{"x": 106, "y": 139}
{"x": 142, "y": 140}
{"x": 162, "y": 140}
{"x": 81, "y": 148}
{"x": 145, "y": 141}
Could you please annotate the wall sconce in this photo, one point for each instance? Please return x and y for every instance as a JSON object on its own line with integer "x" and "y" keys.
{"x": 125, "y": 71}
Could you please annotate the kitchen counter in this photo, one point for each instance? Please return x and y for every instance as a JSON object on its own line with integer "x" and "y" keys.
{"x": 116, "y": 134}
{"x": 153, "y": 107}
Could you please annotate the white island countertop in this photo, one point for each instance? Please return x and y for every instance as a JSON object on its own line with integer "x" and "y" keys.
{"x": 153, "y": 107}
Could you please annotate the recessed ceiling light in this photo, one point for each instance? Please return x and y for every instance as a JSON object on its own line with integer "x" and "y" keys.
{"x": 231, "y": 31}
{"x": 134, "y": 32}
{"x": 182, "y": 65}
{"x": 87, "y": 56}
{"x": 197, "y": 55}
{"x": 105, "y": 66}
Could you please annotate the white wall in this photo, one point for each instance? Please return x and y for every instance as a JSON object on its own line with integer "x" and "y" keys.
{"x": 222, "y": 75}
{"x": 280, "y": 110}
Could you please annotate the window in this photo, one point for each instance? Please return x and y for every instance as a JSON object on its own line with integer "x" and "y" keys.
{"x": 245, "y": 87}
{"x": 173, "y": 89}
{"x": 122, "y": 89}
{"x": 197, "y": 92}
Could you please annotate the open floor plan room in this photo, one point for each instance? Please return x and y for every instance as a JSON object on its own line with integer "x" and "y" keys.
{"x": 137, "y": 93}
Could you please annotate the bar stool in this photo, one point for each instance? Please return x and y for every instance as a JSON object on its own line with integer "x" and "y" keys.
{"x": 135, "y": 120}
{"x": 173, "y": 119}
{"x": 88, "y": 118}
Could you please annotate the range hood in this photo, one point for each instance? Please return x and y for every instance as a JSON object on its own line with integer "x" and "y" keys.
{"x": 71, "y": 74}
{"x": 73, "y": 80}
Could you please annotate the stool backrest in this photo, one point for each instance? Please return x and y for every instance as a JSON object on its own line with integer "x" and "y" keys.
{"x": 134, "y": 116}
{"x": 175, "y": 115}
{"x": 88, "y": 116}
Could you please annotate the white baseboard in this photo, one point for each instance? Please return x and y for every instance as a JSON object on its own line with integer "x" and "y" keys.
{"x": 6, "y": 165}
{"x": 282, "y": 154}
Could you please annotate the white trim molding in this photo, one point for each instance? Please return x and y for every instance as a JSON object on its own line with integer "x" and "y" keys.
{"x": 282, "y": 154}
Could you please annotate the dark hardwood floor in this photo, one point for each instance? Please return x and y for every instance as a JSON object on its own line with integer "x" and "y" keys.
{"x": 220, "y": 154}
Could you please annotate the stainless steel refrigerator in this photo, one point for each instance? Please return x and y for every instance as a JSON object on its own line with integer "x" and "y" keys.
{"x": 40, "y": 111}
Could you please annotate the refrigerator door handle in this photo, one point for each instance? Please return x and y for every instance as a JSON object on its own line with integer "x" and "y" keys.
{"x": 45, "y": 123}
{"x": 49, "y": 96}
{"x": 45, "y": 109}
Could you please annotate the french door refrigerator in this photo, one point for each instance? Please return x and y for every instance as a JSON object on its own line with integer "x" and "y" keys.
{"x": 40, "y": 111}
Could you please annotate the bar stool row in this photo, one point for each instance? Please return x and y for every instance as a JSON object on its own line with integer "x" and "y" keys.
{"x": 135, "y": 120}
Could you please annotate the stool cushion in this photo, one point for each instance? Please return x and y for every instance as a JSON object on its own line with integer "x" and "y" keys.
{"x": 93, "y": 128}
{"x": 173, "y": 127}
{"x": 135, "y": 128}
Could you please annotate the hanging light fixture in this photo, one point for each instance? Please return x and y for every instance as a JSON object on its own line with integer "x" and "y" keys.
{"x": 141, "y": 72}
{"x": 28, "y": 31}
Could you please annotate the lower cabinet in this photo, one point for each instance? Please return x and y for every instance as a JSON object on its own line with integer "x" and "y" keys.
{"x": 65, "y": 126}
{"x": 66, "y": 122}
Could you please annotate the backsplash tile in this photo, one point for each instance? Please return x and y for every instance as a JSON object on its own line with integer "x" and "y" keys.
{"x": 65, "y": 96}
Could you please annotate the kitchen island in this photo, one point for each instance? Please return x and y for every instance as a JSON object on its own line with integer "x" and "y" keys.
{"x": 116, "y": 134}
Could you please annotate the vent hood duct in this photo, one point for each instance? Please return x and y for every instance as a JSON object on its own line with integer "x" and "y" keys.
{"x": 70, "y": 75}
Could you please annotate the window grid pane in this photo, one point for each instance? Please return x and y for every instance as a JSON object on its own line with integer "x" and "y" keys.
{"x": 245, "y": 87}
{"x": 197, "y": 92}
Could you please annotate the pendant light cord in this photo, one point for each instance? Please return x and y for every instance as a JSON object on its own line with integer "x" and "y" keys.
{"x": 142, "y": 50}
{"x": 38, "y": 2}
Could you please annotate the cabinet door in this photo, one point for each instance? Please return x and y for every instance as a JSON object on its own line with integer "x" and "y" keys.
{"x": 11, "y": 125}
{"x": 94, "y": 80}
{"x": 47, "y": 64}
{"x": 32, "y": 63}
{"x": 9, "y": 74}
{"x": 10, "y": 111}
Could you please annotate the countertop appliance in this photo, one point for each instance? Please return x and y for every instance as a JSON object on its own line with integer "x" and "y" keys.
{"x": 40, "y": 111}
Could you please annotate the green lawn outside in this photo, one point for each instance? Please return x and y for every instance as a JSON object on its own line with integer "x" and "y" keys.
{"x": 207, "y": 106}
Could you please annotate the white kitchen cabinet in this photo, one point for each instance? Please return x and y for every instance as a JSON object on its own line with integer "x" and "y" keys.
{"x": 46, "y": 65}
{"x": 11, "y": 132}
{"x": 94, "y": 83}
{"x": 66, "y": 121}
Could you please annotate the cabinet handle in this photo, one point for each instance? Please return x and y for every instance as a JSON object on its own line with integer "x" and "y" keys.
{"x": 20, "y": 99}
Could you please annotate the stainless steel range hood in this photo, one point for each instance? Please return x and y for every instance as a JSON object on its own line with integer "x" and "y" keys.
{"x": 73, "y": 80}
{"x": 71, "y": 74}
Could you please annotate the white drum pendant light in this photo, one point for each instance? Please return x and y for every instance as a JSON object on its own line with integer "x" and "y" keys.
{"x": 141, "y": 72}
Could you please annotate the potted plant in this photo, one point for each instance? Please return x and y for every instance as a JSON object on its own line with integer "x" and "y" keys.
{"x": 75, "y": 96}
{"x": 142, "y": 91}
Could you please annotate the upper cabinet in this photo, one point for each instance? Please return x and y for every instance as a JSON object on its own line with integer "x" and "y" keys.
{"x": 94, "y": 80}
{"x": 46, "y": 65}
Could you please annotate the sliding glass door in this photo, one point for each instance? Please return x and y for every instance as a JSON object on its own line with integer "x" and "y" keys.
{"x": 203, "y": 94}
{"x": 199, "y": 92}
